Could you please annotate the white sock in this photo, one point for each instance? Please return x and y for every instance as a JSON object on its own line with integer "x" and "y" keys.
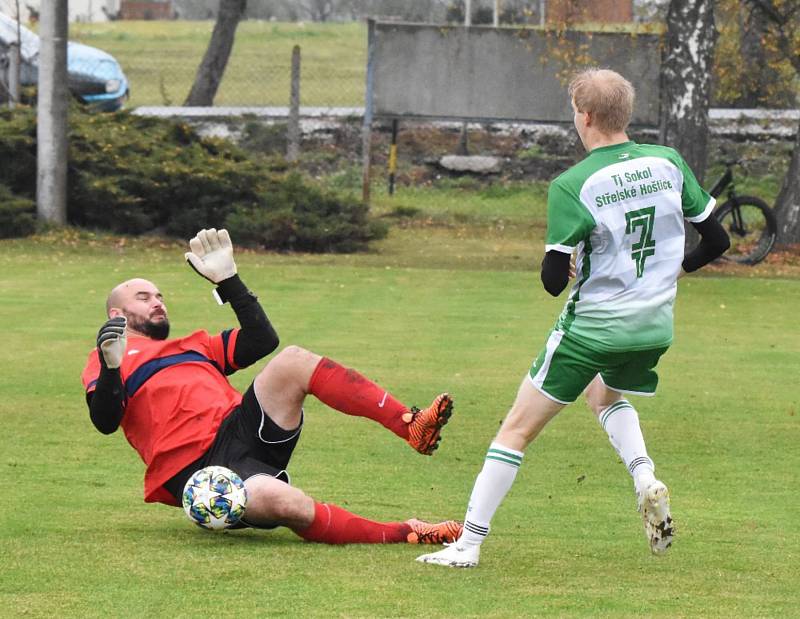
{"x": 621, "y": 423}
{"x": 491, "y": 486}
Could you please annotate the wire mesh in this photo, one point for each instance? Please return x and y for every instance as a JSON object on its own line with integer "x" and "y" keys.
{"x": 166, "y": 81}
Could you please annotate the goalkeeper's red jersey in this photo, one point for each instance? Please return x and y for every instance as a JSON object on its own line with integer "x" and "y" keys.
{"x": 176, "y": 396}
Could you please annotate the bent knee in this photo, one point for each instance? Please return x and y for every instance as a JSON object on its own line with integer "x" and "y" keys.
{"x": 270, "y": 500}
{"x": 291, "y": 366}
{"x": 293, "y": 350}
{"x": 294, "y": 355}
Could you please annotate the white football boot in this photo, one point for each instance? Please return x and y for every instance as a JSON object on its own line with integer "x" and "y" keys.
{"x": 654, "y": 507}
{"x": 453, "y": 555}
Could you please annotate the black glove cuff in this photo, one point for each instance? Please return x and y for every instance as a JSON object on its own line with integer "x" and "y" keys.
{"x": 232, "y": 288}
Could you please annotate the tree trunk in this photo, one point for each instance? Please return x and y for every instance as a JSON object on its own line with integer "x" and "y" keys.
{"x": 753, "y": 77}
{"x": 785, "y": 18}
{"x": 686, "y": 80}
{"x": 787, "y": 206}
{"x": 52, "y": 143}
{"x": 211, "y": 69}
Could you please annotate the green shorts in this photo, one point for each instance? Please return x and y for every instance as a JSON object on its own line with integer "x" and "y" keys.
{"x": 565, "y": 367}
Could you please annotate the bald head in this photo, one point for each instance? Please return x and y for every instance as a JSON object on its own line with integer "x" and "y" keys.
{"x": 606, "y": 96}
{"x": 120, "y": 292}
{"x": 141, "y": 302}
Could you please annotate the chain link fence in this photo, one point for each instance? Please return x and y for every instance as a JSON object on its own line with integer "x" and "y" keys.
{"x": 165, "y": 80}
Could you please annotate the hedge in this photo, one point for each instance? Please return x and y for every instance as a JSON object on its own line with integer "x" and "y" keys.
{"x": 130, "y": 174}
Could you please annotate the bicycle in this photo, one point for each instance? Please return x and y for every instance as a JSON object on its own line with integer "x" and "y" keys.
{"x": 749, "y": 221}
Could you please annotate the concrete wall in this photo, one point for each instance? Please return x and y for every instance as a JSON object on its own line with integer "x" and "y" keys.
{"x": 498, "y": 74}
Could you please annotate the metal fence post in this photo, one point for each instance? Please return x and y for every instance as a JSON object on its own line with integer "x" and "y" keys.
{"x": 293, "y": 128}
{"x": 366, "y": 130}
{"x": 13, "y": 74}
{"x": 393, "y": 157}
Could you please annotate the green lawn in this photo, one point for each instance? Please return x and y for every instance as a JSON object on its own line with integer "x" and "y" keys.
{"x": 78, "y": 541}
{"x": 161, "y": 58}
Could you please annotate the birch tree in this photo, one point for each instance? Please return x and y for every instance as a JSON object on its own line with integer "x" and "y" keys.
{"x": 686, "y": 80}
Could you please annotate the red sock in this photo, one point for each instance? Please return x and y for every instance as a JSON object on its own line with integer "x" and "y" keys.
{"x": 349, "y": 392}
{"x": 334, "y": 525}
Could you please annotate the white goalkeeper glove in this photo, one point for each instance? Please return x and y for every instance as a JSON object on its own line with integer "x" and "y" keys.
{"x": 212, "y": 255}
{"x": 111, "y": 341}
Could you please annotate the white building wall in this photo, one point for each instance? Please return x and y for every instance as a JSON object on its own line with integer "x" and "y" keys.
{"x": 79, "y": 10}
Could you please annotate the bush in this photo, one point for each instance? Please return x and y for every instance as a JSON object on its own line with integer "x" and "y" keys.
{"x": 303, "y": 218}
{"x": 17, "y": 214}
{"x": 130, "y": 175}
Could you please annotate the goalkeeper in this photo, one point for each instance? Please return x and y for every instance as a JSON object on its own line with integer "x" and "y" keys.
{"x": 179, "y": 412}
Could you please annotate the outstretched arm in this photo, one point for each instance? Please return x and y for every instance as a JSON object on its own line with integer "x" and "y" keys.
{"x": 211, "y": 256}
{"x": 257, "y": 337}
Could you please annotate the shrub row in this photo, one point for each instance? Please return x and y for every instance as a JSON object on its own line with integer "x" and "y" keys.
{"x": 129, "y": 174}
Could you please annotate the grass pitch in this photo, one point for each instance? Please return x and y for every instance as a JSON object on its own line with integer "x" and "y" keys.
{"x": 77, "y": 540}
{"x": 446, "y": 302}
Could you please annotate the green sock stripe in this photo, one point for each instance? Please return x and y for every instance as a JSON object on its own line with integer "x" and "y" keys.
{"x": 504, "y": 454}
{"x": 514, "y": 463}
{"x": 616, "y": 407}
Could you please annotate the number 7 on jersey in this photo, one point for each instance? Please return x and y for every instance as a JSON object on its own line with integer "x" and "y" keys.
{"x": 643, "y": 248}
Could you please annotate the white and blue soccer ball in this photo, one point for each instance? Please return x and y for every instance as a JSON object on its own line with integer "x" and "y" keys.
{"x": 214, "y": 498}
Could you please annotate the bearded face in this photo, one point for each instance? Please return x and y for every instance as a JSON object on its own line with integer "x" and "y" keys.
{"x": 156, "y": 329}
{"x": 155, "y": 326}
{"x": 142, "y": 304}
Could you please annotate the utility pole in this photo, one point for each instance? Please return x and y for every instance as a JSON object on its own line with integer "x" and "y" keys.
{"x": 14, "y": 64}
{"x": 13, "y": 74}
{"x": 51, "y": 115}
{"x": 293, "y": 124}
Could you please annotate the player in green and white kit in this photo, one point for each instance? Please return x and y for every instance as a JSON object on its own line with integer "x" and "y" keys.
{"x": 621, "y": 211}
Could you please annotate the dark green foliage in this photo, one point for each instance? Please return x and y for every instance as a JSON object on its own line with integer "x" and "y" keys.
{"x": 301, "y": 217}
{"x": 17, "y": 214}
{"x": 261, "y": 138}
{"x": 130, "y": 175}
{"x": 18, "y": 152}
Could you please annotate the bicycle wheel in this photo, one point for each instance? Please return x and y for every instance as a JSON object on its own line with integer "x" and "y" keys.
{"x": 752, "y": 226}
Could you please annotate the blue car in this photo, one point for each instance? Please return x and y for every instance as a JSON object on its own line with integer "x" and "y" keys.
{"x": 93, "y": 76}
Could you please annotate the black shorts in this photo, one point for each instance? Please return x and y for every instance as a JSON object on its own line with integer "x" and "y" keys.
{"x": 248, "y": 442}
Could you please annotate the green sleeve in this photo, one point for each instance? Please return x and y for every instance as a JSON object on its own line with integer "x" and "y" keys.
{"x": 694, "y": 199}
{"x": 568, "y": 220}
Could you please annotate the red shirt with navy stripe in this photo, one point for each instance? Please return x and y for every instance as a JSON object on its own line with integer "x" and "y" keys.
{"x": 176, "y": 397}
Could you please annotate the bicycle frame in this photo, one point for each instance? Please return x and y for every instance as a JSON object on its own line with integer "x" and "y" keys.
{"x": 725, "y": 180}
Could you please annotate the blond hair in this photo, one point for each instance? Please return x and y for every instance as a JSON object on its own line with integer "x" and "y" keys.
{"x": 606, "y": 95}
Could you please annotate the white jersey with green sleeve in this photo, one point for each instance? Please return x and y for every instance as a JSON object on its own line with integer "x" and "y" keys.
{"x": 623, "y": 209}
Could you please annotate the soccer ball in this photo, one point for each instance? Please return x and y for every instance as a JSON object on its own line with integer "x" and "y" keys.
{"x": 214, "y": 498}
